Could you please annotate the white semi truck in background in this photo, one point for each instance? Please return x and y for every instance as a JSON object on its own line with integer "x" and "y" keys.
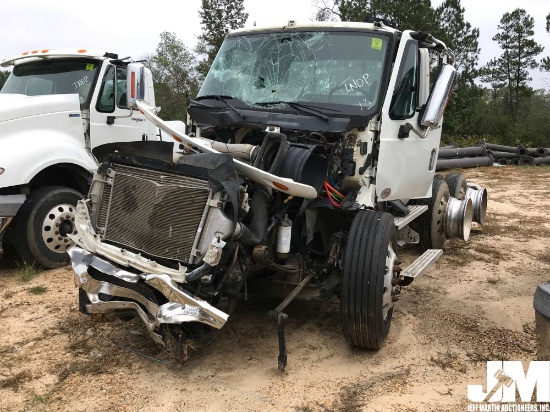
{"x": 61, "y": 111}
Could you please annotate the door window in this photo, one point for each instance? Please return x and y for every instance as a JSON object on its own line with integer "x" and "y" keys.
{"x": 405, "y": 94}
{"x": 109, "y": 94}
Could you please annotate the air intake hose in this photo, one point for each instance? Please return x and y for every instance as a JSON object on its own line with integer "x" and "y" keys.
{"x": 253, "y": 235}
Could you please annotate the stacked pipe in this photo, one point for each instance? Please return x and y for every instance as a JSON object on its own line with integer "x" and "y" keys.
{"x": 487, "y": 154}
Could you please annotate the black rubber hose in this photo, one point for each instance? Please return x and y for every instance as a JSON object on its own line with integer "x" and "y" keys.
{"x": 253, "y": 235}
{"x": 197, "y": 273}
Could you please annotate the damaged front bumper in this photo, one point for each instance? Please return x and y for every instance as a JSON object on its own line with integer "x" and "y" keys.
{"x": 107, "y": 289}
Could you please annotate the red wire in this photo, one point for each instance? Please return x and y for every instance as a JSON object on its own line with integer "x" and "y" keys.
{"x": 334, "y": 190}
{"x": 329, "y": 198}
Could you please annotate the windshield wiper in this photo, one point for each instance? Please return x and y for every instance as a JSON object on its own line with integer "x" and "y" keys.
{"x": 196, "y": 103}
{"x": 222, "y": 99}
{"x": 297, "y": 106}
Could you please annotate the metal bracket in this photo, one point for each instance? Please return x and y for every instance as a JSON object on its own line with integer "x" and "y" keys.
{"x": 406, "y": 235}
{"x": 278, "y": 315}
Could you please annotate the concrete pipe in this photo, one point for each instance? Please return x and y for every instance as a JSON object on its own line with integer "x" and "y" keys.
{"x": 500, "y": 148}
{"x": 464, "y": 163}
{"x": 458, "y": 218}
{"x": 449, "y": 146}
{"x": 503, "y": 155}
{"x": 479, "y": 203}
{"x": 525, "y": 161}
{"x": 542, "y": 161}
{"x": 464, "y": 152}
{"x": 525, "y": 151}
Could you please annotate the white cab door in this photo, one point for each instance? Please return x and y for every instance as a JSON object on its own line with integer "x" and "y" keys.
{"x": 109, "y": 117}
{"x": 406, "y": 165}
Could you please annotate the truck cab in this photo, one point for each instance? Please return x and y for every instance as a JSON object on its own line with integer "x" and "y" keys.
{"x": 309, "y": 161}
{"x": 61, "y": 112}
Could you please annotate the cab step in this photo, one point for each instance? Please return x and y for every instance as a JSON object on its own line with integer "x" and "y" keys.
{"x": 422, "y": 263}
{"x": 414, "y": 212}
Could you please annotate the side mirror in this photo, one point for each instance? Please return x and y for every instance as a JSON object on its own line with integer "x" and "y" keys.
{"x": 135, "y": 84}
{"x": 439, "y": 97}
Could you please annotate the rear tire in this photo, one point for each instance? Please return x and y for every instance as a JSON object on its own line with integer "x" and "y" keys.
{"x": 42, "y": 224}
{"x": 366, "y": 300}
{"x": 457, "y": 185}
{"x": 431, "y": 223}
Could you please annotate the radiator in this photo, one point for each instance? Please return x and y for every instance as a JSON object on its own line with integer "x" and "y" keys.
{"x": 151, "y": 211}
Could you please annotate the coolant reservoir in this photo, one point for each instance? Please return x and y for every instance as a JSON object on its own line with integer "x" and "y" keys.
{"x": 284, "y": 234}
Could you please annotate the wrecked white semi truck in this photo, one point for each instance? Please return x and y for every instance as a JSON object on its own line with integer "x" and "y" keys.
{"x": 60, "y": 113}
{"x": 308, "y": 163}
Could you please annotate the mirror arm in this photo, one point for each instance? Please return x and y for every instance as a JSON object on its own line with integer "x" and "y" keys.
{"x": 420, "y": 133}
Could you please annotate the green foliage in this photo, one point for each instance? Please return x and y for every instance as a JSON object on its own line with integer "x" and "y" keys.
{"x": 3, "y": 77}
{"x": 462, "y": 38}
{"x": 37, "y": 290}
{"x": 511, "y": 69}
{"x": 26, "y": 272}
{"x": 459, "y": 36}
{"x": 545, "y": 63}
{"x": 216, "y": 17}
{"x": 407, "y": 14}
{"x": 174, "y": 74}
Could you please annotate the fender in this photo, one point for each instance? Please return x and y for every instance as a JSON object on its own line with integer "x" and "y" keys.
{"x": 31, "y": 144}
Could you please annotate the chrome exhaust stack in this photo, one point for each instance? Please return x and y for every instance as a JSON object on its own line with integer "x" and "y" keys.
{"x": 478, "y": 195}
{"x": 458, "y": 218}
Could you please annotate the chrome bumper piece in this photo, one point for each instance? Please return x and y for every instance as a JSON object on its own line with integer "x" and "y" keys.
{"x": 179, "y": 308}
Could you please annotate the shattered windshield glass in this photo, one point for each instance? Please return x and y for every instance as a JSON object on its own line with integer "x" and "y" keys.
{"x": 327, "y": 68}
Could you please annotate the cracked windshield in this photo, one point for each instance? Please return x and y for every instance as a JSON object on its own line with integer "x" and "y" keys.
{"x": 325, "y": 68}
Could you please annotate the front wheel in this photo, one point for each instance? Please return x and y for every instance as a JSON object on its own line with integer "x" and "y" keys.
{"x": 366, "y": 295}
{"x": 42, "y": 225}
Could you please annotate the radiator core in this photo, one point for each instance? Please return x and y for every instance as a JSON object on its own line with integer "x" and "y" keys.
{"x": 152, "y": 211}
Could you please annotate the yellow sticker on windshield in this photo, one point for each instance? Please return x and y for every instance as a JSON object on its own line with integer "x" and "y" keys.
{"x": 89, "y": 66}
{"x": 376, "y": 44}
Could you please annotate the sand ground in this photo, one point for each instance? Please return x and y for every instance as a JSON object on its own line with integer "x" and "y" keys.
{"x": 474, "y": 305}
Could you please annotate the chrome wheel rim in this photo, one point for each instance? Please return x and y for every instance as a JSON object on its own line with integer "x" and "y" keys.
{"x": 387, "y": 299}
{"x": 58, "y": 223}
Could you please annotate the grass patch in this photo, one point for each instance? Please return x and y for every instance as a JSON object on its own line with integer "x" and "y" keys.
{"x": 26, "y": 272}
{"x": 42, "y": 399}
{"x": 530, "y": 169}
{"x": 37, "y": 290}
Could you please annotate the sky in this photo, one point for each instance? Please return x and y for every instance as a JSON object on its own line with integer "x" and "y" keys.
{"x": 133, "y": 28}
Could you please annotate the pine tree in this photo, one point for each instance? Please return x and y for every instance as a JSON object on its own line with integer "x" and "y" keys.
{"x": 545, "y": 63}
{"x": 216, "y": 17}
{"x": 515, "y": 38}
{"x": 462, "y": 39}
{"x": 407, "y": 14}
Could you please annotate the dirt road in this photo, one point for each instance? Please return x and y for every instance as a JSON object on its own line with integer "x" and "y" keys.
{"x": 474, "y": 305}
